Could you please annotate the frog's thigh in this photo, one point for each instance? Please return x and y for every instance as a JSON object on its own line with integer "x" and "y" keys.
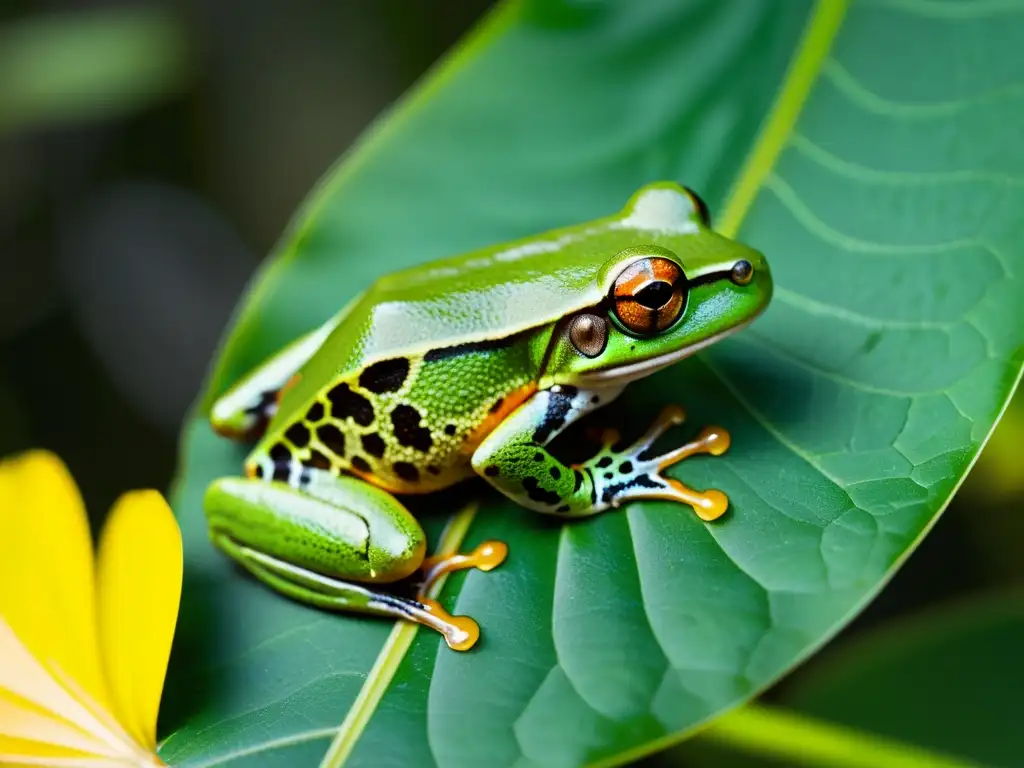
{"x": 339, "y": 527}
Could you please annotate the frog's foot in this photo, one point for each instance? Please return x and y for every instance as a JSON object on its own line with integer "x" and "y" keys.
{"x": 635, "y": 473}
{"x": 486, "y": 557}
{"x": 459, "y": 632}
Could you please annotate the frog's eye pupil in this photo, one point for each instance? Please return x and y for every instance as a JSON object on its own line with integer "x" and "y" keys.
{"x": 654, "y": 295}
{"x": 649, "y": 295}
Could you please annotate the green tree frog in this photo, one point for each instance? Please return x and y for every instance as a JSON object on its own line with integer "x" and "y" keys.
{"x": 472, "y": 366}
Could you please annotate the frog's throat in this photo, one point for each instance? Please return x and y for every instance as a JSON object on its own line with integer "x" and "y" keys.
{"x": 624, "y": 374}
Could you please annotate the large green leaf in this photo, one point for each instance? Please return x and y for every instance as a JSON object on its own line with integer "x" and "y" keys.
{"x": 872, "y": 156}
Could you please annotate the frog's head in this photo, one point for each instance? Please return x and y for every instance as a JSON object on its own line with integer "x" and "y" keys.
{"x": 662, "y": 302}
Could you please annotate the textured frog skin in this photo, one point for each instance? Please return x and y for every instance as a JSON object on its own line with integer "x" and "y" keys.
{"x": 403, "y": 423}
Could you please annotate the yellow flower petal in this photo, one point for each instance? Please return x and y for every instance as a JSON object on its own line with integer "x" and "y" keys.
{"x": 13, "y": 754}
{"x": 20, "y": 720}
{"x": 46, "y": 568}
{"x": 22, "y": 676}
{"x": 139, "y": 591}
{"x": 19, "y": 752}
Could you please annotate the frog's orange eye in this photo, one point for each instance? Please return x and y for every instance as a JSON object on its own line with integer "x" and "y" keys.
{"x": 649, "y": 295}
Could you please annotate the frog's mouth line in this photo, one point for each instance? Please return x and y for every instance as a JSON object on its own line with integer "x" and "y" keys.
{"x": 628, "y": 373}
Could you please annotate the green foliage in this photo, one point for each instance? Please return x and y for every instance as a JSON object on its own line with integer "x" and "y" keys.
{"x": 85, "y": 66}
{"x": 944, "y": 681}
{"x": 947, "y": 680}
{"x": 889, "y": 206}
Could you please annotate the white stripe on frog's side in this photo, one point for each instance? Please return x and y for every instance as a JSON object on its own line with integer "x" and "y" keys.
{"x": 288, "y": 471}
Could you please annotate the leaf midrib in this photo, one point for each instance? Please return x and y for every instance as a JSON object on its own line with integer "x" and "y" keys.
{"x": 392, "y": 653}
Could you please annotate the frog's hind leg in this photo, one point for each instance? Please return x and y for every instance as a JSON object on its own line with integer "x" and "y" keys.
{"x": 244, "y": 411}
{"x": 459, "y": 632}
{"x": 329, "y": 543}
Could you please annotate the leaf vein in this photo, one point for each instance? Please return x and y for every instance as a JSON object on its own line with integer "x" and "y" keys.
{"x": 776, "y": 349}
{"x": 859, "y": 172}
{"x": 929, "y": 9}
{"x": 266, "y": 746}
{"x": 825, "y": 232}
{"x": 812, "y": 306}
{"x": 863, "y": 97}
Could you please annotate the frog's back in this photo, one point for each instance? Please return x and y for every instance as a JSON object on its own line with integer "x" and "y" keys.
{"x": 430, "y": 358}
{"x": 504, "y": 289}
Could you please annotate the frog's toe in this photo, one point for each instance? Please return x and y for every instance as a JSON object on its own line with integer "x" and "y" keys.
{"x": 648, "y": 484}
{"x": 670, "y": 416}
{"x": 635, "y": 473}
{"x": 709, "y": 505}
{"x": 486, "y": 557}
{"x": 459, "y": 632}
{"x": 711, "y": 440}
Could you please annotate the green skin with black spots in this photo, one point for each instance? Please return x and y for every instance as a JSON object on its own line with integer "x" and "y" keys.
{"x": 468, "y": 365}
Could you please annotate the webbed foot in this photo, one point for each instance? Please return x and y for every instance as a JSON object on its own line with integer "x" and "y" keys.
{"x": 635, "y": 472}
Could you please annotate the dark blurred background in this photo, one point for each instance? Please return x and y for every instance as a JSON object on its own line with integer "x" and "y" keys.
{"x": 139, "y": 191}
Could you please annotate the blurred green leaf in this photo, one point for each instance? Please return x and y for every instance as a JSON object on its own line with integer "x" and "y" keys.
{"x": 88, "y": 65}
{"x": 990, "y": 502}
{"x": 889, "y": 203}
{"x": 948, "y": 680}
{"x": 756, "y": 736}
{"x": 998, "y": 474}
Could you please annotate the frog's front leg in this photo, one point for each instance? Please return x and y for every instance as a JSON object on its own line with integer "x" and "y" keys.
{"x": 514, "y": 459}
{"x": 312, "y": 543}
